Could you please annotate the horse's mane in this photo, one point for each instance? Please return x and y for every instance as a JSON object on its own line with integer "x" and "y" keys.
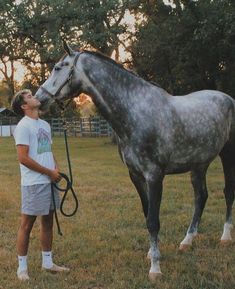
{"x": 108, "y": 59}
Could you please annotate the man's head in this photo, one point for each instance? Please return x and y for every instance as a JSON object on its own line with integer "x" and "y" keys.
{"x": 24, "y": 100}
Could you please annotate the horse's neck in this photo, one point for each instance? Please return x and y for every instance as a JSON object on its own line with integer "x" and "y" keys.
{"x": 117, "y": 93}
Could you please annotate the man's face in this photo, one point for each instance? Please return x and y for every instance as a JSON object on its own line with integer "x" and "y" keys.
{"x": 30, "y": 101}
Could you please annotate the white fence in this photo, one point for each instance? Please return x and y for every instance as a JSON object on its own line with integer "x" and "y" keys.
{"x": 7, "y": 130}
{"x": 83, "y": 127}
{"x": 78, "y": 127}
{"x": 7, "y": 125}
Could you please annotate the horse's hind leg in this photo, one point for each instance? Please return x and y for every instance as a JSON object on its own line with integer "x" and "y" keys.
{"x": 229, "y": 176}
{"x": 198, "y": 179}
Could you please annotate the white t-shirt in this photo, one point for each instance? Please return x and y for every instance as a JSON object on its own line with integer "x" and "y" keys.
{"x": 36, "y": 133}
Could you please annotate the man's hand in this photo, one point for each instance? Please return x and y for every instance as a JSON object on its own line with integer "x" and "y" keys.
{"x": 55, "y": 176}
{"x": 24, "y": 159}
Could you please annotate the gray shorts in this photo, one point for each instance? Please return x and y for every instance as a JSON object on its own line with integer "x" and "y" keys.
{"x": 36, "y": 200}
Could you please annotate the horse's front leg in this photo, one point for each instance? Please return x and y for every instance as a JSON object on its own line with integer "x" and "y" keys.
{"x": 154, "y": 189}
{"x": 141, "y": 187}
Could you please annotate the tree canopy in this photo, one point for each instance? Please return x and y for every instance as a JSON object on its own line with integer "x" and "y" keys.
{"x": 31, "y": 31}
{"x": 186, "y": 46}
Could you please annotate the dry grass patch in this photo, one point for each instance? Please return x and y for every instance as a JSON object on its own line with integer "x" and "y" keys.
{"x": 106, "y": 243}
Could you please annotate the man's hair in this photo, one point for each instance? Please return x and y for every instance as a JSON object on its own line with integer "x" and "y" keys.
{"x": 18, "y": 100}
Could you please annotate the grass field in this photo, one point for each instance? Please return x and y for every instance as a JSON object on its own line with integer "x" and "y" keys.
{"x": 106, "y": 243}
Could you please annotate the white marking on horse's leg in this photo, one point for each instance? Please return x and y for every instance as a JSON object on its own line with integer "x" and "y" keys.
{"x": 149, "y": 254}
{"x": 155, "y": 269}
{"x": 226, "y": 236}
{"x": 188, "y": 240}
{"x": 149, "y": 251}
{"x": 155, "y": 272}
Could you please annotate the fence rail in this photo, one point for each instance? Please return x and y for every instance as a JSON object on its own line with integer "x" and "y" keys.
{"x": 78, "y": 127}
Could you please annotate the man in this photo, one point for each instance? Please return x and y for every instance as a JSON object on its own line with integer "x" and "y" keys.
{"x": 38, "y": 169}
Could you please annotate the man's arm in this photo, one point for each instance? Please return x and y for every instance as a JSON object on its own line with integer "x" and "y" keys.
{"x": 24, "y": 159}
{"x": 56, "y": 163}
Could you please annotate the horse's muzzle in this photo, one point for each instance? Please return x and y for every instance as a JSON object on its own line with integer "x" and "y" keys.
{"x": 43, "y": 98}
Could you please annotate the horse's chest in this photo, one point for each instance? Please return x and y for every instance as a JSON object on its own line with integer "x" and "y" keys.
{"x": 130, "y": 157}
{"x": 136, "y": 159}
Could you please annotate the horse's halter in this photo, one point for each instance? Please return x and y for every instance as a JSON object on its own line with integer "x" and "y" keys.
{"x": 68, "y": 80}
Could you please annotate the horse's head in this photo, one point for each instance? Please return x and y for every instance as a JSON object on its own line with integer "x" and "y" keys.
{"x": 60, "y": 84}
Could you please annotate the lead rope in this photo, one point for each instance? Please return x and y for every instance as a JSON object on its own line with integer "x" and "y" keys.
{"x": 69, "y": 186}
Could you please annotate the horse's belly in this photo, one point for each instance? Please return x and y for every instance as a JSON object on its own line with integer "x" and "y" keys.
{"x": 179, "y": 168}
{"x": 190, "y": 159}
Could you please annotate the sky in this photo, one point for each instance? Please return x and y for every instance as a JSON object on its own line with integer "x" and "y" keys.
{"x": 19, "y": 71}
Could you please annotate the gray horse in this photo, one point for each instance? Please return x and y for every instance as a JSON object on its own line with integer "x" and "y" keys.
{"x": 158, "y": 133}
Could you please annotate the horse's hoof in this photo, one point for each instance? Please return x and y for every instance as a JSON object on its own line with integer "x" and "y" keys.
{"x": 154, "y": 276}
{"x": 225, "y": 242}
{"x": 184, "y": 247}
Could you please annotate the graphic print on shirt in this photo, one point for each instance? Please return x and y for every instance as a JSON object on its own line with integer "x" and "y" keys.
{"x": 44, "y": 142}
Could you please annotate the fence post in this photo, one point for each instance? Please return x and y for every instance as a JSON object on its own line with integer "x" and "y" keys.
{"x": 90, "y": 126}
{"x": 81, "y": 128}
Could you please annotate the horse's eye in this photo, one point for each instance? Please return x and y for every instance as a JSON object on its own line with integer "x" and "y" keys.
{"x": 57, "y": 68}
{"x": 66, "y": 63}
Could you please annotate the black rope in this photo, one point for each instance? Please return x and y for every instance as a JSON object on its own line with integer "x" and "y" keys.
{"x": 69, "y": 187}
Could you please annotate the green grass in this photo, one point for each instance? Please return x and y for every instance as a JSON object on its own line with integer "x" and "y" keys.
{"x": 106, "y": 243}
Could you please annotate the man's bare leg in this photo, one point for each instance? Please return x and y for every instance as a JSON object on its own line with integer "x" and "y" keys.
{"x": 46, "y": 236}
{"x": 22, "y": 244}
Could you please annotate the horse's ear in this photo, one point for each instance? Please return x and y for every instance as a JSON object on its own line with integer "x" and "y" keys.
{"x": 67, "y": 48}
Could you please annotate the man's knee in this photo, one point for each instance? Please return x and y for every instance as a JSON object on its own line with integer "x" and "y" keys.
{"x": 27, "y": 223}
{"x": 47, "y": 222}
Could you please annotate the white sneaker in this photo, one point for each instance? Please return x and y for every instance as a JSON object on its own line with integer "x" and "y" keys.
{"x": 22, "y": 275}
{"x": 55, "y": 269}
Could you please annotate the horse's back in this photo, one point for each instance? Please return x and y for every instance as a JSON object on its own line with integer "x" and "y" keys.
{"x": 202, "y": 98}
{"x": 204, "y": 105}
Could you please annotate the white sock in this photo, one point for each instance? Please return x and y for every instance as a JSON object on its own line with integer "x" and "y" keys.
{"x": 47, "y": 259}
{"x": 22, "y": 263}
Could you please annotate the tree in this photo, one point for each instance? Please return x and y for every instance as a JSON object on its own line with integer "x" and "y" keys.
{"x": 9, "y": 46}
{"x": 4, "y": 94}
{"x": 38, "y": 26}
{"x": 185, "y": 48}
